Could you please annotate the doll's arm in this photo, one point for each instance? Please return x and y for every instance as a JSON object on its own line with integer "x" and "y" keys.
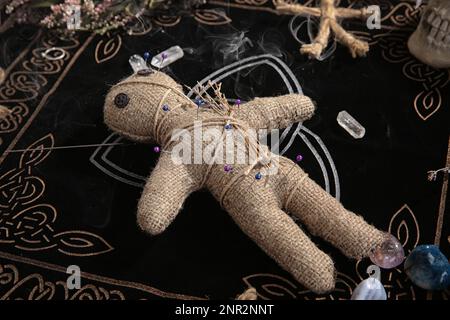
{"x": 164, "y": 194}
{"x": 275, "y": 112}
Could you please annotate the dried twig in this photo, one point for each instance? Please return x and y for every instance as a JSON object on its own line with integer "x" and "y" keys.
{"x": 328, "y": 14}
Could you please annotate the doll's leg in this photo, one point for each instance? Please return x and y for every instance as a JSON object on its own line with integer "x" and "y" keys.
{"x": 326, "y": 217}
{"x": 280, "y": 237}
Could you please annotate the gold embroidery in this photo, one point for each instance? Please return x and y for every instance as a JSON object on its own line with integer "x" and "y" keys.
{"x": 25, "y": 84}
{"x": 21, "y": 91}
{"x": 167, "y": 21}
{"x": 403, "y": 224}
{"x": 211, "y": 17}
{"x": 405, "y": 228}
{"x": 2, "y": 75}
{"x": 33, "y": 286}
{"x": 107, "y": 48}
{"x": 30, "y": 226}
{"x": 11, "y": 122}
{"x": 394, "y": 49}
{"x": 271, "y": 286}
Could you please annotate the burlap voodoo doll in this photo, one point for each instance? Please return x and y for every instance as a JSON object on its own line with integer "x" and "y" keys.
{"x": 149, "y": 106}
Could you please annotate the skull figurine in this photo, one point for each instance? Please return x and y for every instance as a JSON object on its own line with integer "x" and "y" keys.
{"x": 430, "y": 43}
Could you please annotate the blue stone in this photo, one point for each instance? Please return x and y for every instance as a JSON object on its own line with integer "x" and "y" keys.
{"x": 428, "y": 268}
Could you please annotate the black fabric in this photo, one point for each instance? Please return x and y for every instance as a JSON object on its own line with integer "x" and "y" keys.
{"x": 57, "y": 208}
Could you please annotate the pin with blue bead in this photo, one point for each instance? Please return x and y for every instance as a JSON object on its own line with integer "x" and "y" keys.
{"x": 146, "y": 56}
{"x": 228, "y": 126}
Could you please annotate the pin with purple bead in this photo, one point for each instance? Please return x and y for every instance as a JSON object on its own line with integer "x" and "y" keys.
{"x": 163, "y": 57}
{"x": 227, "y": 168}
{"x": 156, "y": 149}
{"x": 298, "y": 158}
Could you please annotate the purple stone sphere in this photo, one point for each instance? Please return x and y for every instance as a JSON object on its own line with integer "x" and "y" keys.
{"x": 389, "y": 254}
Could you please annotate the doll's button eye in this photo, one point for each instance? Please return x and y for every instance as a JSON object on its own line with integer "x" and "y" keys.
{"x": 121, "y": 100}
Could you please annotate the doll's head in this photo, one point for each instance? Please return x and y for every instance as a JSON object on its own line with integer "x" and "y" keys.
{"x": 131, "y": 105}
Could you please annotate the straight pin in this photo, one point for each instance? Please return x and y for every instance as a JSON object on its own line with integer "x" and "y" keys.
{"x": 72, "y": 147}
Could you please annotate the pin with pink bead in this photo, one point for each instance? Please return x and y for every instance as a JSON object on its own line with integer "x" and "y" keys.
{"x": 167, "y": 57}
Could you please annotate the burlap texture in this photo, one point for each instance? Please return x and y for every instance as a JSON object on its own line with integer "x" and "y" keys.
{"x": 256, "y": 206}
{"x": 270, "y": 113}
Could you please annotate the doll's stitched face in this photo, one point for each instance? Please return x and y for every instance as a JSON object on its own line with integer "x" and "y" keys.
{"x": 131, "y": 105}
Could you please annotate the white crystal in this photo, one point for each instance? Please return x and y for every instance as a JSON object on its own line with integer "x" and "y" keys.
{"x": 371, "y": 288}
{"x": 137, "y": 63}
{"x": 350, "y": 125}
{"x": 167, "y": 57}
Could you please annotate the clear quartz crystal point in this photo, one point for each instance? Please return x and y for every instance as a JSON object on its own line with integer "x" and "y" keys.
{"x": 346, "y": 121}
{"x": 167, "y": 57}
{"x": 137, "y": 63}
